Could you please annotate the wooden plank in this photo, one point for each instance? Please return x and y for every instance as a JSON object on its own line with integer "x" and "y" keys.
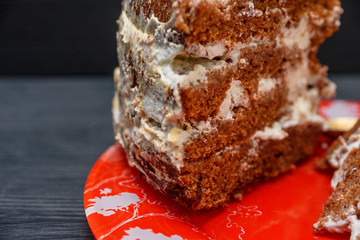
{"x": 51, "y": 133}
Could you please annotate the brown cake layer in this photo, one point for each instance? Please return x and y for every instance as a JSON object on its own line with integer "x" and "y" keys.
{"x": 212, "y": 96}
{"x": 213, "y": 22}
{"x": 211, "y": 182}
{"x": 341, "y": 213}
{"x": 344, "y": 198}
{"x": 246, "y": 121}
{"x": 263, "y": 61}
{"x": 206, "y": 21}
{"x": 201, "y": 102}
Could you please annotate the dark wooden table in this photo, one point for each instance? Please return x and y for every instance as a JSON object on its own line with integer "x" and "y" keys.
{"x": 52, "y": 130}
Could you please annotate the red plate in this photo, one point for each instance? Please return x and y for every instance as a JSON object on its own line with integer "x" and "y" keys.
{"x": 119, "y": 204}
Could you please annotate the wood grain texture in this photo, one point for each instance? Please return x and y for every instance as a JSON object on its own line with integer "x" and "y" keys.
{"x": 52, "y": 131}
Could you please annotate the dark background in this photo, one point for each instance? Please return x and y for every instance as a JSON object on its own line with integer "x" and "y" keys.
{"x": 53, "y": 128}
{"x": 70, "y": 37}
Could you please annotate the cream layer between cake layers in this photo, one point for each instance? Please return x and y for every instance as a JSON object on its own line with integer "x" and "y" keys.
{"x": 153, "y": 115}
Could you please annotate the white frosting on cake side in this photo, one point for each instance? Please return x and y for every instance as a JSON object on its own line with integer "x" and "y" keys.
{"x": 163, "y": 66}
{"x": 166, "y": 73}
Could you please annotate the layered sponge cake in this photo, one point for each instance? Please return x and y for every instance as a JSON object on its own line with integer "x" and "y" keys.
{"x": 341, "y": 213}
{"x": 213, "y": 95}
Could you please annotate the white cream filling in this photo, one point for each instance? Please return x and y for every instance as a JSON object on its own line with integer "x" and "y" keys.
{"x": 297, "y": 79}
{"x": 265, "y": 85}
{"x": 299, "y": 36}
{"x": 274, "y": 132}
{"x": 302, "y": 112}
{"x": 235, "y": 97}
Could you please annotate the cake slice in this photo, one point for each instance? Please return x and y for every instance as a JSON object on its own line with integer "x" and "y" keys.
{"x": 212, "y": 96}
{"x": 341, "y": 213}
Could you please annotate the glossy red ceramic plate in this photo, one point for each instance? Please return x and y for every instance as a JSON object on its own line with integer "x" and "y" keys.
{"x": 119, "y": 204}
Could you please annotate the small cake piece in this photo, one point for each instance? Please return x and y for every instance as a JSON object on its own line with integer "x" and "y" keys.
{"x": 213, "y": 95}
{"x": 341, "y": 213}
